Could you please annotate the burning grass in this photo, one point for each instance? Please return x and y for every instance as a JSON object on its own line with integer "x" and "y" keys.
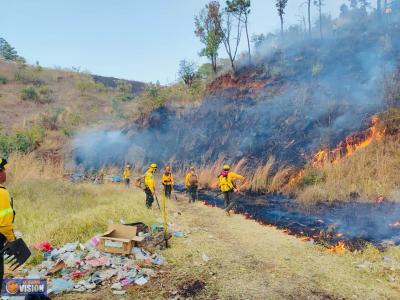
{"x": 367, "y": 174}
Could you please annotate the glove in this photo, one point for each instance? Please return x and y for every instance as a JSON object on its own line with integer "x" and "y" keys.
{"x": 17, "y": 253}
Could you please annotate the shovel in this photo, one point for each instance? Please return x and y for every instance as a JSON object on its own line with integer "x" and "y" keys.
{"x": 17, "y": 253}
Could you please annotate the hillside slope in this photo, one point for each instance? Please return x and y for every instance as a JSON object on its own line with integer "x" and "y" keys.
{"x": 45, "y": 107}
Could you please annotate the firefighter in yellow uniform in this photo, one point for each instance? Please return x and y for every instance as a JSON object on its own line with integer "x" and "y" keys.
{"x": 167, "y": 182}
{"x": 228, "y": 186}
{"x": 127, "y": 175}
{"x": 192, "y": 184}
{"x": 150, "y": 185}
{"x": 6, "y": 215}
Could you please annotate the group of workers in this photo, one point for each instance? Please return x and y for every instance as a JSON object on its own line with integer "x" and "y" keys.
{"x": 227, "y": 184}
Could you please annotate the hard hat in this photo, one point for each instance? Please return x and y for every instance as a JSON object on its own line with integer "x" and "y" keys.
{"x": 3, "y": 163}
{"x": 191, "y": 167}
{"x": 153, "y": 165}
{"x": 168, "y": 168}
{"x": 227, "y": 167}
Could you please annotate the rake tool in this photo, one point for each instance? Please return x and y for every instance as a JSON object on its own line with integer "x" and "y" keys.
{"x": 158, "y": 203}
{"x": 17, "y": 253}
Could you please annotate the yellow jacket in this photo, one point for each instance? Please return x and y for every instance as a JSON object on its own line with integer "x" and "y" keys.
{"x": 187, "y": 178}
{"x": 149, "y": 180}
{"x": 6, "y": 215}
{"x": 225, "y": 182}
{"x": 167, "y": 179}
{"x": 126, "y": 174}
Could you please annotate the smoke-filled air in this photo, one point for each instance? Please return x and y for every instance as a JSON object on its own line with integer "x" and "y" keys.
{"x": 299, "y": 94}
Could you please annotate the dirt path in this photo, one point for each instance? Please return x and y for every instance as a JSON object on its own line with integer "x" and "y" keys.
{"x": 251, "y": 261}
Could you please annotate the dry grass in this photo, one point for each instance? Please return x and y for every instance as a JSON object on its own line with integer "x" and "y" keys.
{"x": 246, "y": 260}
{"x": 24, "y": 167}
{"x": 370, "y": 172}
{"x": 62, "y": 212}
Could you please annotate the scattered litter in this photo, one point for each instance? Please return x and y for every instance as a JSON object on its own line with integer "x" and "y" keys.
{"x": 59, "y": 265}
{"x": 119, "y": 292}
{"x": 178, "y": 234}
{"x": 140, "y": 253}
{"x": 43, "y": 246}
{"x": 84, "y": 267}
{"x": 116, "y": 286}
{"x": 141, "y": 280}
{"x": 158, "y": 259}
{"x": 97, "y": 262}
{"x": 205, "y": 257}
{"x": 59, "y": 285}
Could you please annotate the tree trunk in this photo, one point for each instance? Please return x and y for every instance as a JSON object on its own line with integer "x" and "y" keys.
{"x": 281, "y": 16}
{"x": 214, "y": 64}
{"x": 248, "y": 40}
{"x": 309, "y": 17}
{"x": 320, "y": 18}
{"x": 379, "y": 8}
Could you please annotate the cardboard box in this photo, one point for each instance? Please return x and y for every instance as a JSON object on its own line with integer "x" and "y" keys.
{"x": 119, "y": 239}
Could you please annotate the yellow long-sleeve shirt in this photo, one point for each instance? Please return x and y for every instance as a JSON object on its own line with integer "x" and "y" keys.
{"x": 168, "y": 179}
{"x": 225, "y": 182}
{"x": 149, "y": 180}
{"x": 187, "y": 178}
{"x": 6, "y": 214}
{"x": 126, "y": 174}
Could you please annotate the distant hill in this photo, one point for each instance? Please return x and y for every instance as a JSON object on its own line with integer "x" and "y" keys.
{"x": 111, "y": 82}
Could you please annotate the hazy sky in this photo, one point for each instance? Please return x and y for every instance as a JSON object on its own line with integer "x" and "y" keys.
{"x": 132, "y": 39}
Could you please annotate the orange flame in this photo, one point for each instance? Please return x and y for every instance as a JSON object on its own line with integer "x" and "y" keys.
{"x": 350, "y": 145}
{"x": 340, "y": 247}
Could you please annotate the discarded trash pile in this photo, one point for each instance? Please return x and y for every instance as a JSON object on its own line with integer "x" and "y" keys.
{"x": 77, "y": 267}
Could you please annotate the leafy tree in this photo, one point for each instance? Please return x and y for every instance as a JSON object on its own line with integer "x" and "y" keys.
{"x": 241, "y": 9}
{"x": 208, "y": 29}
{"x": 344, "y": 10}
{"x": 231, "y": 35}
{"x": 205, "y": 71}
{"x": 8, "y": 52}
{"x": 258, "y": 40}
{"x": 187, "y": 72}
{"x": 353, "y": 4}
{"x": 281, "y": 5}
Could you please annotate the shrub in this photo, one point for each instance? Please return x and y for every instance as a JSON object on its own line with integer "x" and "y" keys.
{"x": 29, "y": 93}
{"x": 22, "y": 141}
{"x": 3, "y": 79}
{"x": 311, "y": 177}
{"x": 40, "y": 95}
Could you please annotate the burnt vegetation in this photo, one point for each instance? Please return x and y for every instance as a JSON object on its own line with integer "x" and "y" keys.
{"x": 301, "y": 91}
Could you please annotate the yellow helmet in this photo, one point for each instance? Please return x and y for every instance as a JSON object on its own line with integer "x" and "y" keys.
{"x": 3, "y": 163}
{"x": 227, "y": 167}
{"x": 192, "y": 168}
{"x": 153, "y": 166}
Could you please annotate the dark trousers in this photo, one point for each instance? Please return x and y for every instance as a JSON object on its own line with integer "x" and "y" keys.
{"x": 2, "y": 241}
{"x": 192, "y": 193}
{"x": 229, "y": 201}
{"x": 127, "y": 181}
{"x": 149, "y": 197}
{"x": 167, "y": 191}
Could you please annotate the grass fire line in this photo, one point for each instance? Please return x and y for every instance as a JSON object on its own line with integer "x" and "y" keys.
{"x": 111, "y": 202}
